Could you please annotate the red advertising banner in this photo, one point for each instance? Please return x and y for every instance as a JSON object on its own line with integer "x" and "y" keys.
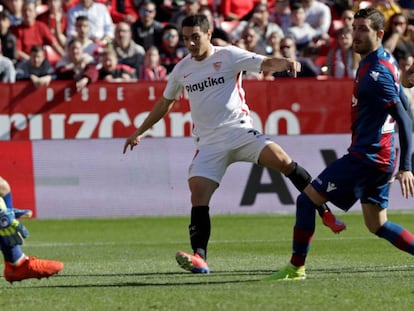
{"x": 103, "y": 110}
{"x": 16, "y": 166}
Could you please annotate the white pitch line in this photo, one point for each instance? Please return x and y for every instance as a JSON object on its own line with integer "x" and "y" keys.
{"x": 111, "y": 243}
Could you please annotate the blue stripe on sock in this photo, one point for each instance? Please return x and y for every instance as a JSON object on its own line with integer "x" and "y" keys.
{"x": 305, "y": 213}
{"x": 390, "y": 231}
{"x": 11, "y": 254}
{"x": 8, "y": 200}
{"x": 304, "y": 226}
{"x": 398, "y": 236}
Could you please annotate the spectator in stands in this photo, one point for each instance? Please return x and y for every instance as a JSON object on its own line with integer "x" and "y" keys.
{"x": 146, "y": 31}
{"x": 248, "y": 42}
{"x": 111, "y": 71}
{"x": 250, "y": 38}
{"x": 342, "y": 62}
{"x": 260, "y": 22}
{"x": 272, "y": 49}
{"x": 7, "y": 70}
{"x": 236, "y": 10}
{"x": 288, "y": 50}
{"x": 165, "y": 9}
{"x": 100, "y": 21}
{"x": 399, "y": 36}
{"x": 123, "y": 11}
{"x": 338, "y": 7}
{"x": 302, "y": 33}
{"x": 407, "y": 76}
{"x": 55, "y": 19}
{"x": 318, "y": 16}
{"x": 128, "y": 52}
{"x": 171, "y": 51}
{"x": 32, "y": 32}
{"x": 8, "y": 39}
{"x": 189, "y": 7}
{"x": 405, "y": 61}
{"x": 281, "y": 14}
{"x": 273, "y": 45}
{"x": 36, "y": 69}
{"x": 151, "y": 69}
{"x": 77, "y": 66}
{"x": 386, "y": 7}
{"x": 347, "y": 18}
{"x": 82, "y": 26}
{"x": 218, "y": 37}
{"x": 14, "y": 9}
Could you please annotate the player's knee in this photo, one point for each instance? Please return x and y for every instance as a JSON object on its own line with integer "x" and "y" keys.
{"x": 4, "y": 187}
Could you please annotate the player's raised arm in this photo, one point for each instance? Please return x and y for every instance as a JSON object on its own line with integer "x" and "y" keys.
{"x": 272, "y": 64}
{"x": 160, "y": 109}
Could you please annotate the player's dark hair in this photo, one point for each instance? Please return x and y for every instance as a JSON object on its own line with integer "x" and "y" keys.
{"x": 376, "y": 17}
{"x": 196, "y": 20}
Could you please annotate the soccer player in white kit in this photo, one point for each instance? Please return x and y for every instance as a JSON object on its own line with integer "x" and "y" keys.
{"x": 212, "y": 77}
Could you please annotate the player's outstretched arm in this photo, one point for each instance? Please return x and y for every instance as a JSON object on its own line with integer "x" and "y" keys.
{"x": 160, "y": 109}
{"x": 272, "y": 64}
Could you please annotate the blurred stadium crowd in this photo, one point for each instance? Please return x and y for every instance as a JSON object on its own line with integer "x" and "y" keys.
{"x": 132, "y": 40}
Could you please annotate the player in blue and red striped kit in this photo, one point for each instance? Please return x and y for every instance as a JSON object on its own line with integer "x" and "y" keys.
{"x": 365, "y": 172}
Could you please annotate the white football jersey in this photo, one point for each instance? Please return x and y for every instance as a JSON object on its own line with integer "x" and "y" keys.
{"x": 214, "y": 88}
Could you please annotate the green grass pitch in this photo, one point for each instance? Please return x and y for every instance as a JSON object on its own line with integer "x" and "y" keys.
{"x": 129, "y": 264}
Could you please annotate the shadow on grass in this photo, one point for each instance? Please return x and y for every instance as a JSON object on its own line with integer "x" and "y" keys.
{"x": 215, "y": 273}
{"x": 166, "y": 279}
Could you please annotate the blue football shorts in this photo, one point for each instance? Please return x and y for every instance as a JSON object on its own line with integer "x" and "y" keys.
{"x": 349, "y": 179}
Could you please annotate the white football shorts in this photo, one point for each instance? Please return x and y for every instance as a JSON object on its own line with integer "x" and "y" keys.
{"x": 237, "y": 145}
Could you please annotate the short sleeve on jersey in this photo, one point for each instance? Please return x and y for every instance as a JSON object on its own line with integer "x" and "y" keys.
{"x": 245, "y": 60}
{"x": 173, "y": 88}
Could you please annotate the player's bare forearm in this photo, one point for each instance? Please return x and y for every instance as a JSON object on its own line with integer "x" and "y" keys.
{"x": 272, "y": 64}
{"x": 160, "y": 109}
